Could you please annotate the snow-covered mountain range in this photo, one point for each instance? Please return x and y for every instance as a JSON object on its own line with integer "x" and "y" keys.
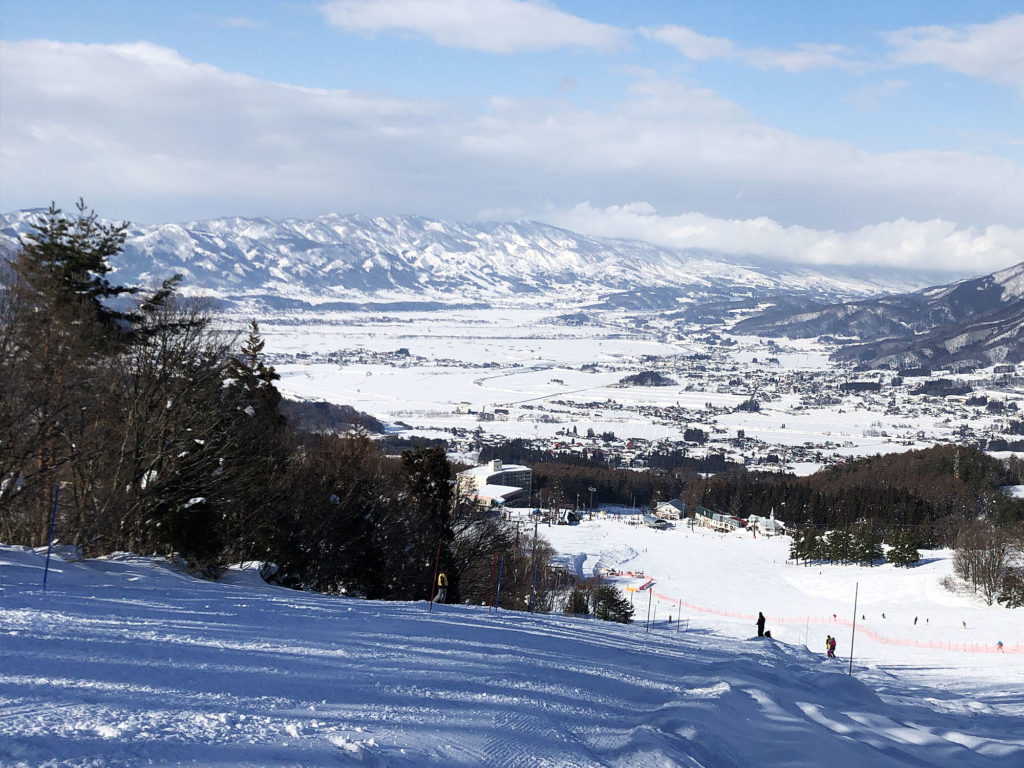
{"x": 357, "y": 261}
{"x": 974, "y": 322}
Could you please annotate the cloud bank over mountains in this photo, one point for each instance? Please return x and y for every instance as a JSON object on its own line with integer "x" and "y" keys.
{"x": 147, "y": 133}
{"x": 939, "y": 244}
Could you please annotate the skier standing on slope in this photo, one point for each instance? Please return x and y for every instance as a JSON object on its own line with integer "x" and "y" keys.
{"x": 442, "y": 588}
{"x": 760, "y": 624}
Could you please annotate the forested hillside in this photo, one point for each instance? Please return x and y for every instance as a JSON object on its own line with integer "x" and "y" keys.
{"x": 932, "y": 492}
{"x": 128, "y": 422}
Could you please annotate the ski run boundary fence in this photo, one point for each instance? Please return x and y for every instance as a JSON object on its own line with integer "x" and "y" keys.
{"x": 941, "y": 645}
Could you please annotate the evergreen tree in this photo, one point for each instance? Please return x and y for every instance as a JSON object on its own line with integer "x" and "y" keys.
{"x": 1011, "y": 591}
{"x": 815, "y": 545}
{"x": 255, "y": 454}
{"x": 903, "y": 550}
{"x": 610, "y": 605}
{"x": 66, "y": 260}
{"x": 796, "y": 545}
{"x": 577, "y": 603}
{"x": 839, "y": 546}
{"x": 867, "y": 544}
{"x": 251, "y": 386}
{"x": 427, "y": 514}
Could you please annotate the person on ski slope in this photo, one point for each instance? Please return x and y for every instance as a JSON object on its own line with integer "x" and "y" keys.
{"x": 831, "y": 647}
{"x": 442, "y": 587}
{"x": 760, "y": 624}
{"x": 828, "y": 646}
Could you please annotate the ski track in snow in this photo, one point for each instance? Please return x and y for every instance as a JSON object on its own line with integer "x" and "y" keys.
{"x": 126, "y": 663}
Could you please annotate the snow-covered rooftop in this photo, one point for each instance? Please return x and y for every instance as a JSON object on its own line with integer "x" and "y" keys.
{"x": 498, "y": 492}
{"x": 486, "y": 469}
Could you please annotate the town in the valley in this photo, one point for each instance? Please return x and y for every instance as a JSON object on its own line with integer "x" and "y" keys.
{"x": 623, "y": 398}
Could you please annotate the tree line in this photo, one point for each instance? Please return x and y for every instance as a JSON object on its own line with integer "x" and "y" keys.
{"x": 932, "y": 492}
{"x": 564, "y": 477}
{"x": 132, "y": 422}
{"x": 861, "y": 545}
{"x": 941, "y": 497}
{"x": 866, "y": 511}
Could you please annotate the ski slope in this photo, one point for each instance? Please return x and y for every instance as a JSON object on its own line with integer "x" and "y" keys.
{"x": 724, "y": 580}
{"x": 127, "y": 661}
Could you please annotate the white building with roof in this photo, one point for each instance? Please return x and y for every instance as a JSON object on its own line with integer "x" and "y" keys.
{"x": 495, "y": 483}
{"x": 767, "y": 526}
{"x": 674, "y": 509}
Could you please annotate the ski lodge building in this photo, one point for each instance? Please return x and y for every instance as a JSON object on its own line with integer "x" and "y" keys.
{"x": 671, "y": 510}
{"x": 768, "y": 526}
{"x": 495, "y": 484}
{"x": 717, "y": 521}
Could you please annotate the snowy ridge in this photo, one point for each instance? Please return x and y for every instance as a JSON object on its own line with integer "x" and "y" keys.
{"x": 356, "y": 259}
{"x": 975, "y": 322}
{"x": 126, "y": 661}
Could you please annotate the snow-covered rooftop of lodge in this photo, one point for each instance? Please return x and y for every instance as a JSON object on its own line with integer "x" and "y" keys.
{"x": 497, "y": 492}
{"x": 484, "y": 470}
{"x": 127, "y": 661}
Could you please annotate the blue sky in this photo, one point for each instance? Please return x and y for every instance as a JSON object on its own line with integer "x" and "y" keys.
{"x": 875, "y": 132}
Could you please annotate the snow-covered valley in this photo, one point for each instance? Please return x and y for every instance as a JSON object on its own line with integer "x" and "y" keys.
{"x": 472, "y": 376}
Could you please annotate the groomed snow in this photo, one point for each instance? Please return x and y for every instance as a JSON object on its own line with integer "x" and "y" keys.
{"x": 125, "y": 661}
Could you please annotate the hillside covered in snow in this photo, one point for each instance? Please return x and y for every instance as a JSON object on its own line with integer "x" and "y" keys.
{"x": 125, "y": 661}
{"x": 356, "y": 262}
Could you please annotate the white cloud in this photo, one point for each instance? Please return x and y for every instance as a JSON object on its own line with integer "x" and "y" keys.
{"x": 868, "y": 97}
{"x": 139, "y": 126}
{"x": 567, "y": 85}
{"x": 806, "y": 56}
{"x": 240, "y": 22}
{"x": 935, "y": 244}
{"x": 691, "y": 44}
{"x": 992, "y": 51}
{"x": 688, "y": 148}
{"x": 148, "y": 135}
{"x": 497, "y": 26}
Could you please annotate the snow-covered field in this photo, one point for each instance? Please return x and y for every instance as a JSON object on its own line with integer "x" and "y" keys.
{"x": 549, "y": 377}
{"x": 718, "y": 575}
{"x": 125, "y": 661}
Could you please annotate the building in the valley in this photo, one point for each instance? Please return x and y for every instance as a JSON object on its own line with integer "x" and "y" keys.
{"x": 671, "y": 510}
{"x": 716, "y": 520}
{"x": 496, "y": 484}
{"x": 767, "y": 526}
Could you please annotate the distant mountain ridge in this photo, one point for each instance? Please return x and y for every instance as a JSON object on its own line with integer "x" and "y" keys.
{"x": 975, "y": 322}
{"x": 351, "y": 262}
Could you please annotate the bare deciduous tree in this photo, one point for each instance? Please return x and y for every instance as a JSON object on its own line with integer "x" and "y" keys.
{"x": 984, "y": 553}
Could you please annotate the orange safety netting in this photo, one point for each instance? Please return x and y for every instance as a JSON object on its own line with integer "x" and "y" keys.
{"x": 901, "y": 641}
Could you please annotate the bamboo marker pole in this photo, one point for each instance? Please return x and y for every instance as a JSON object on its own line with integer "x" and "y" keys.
{"x": 853, "y": 632}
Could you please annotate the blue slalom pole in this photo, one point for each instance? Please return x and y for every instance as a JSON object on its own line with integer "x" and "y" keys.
{"x": 53, "y": 524}
{"x": 497, "y": 596}
{"x": 533, "y": 591}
